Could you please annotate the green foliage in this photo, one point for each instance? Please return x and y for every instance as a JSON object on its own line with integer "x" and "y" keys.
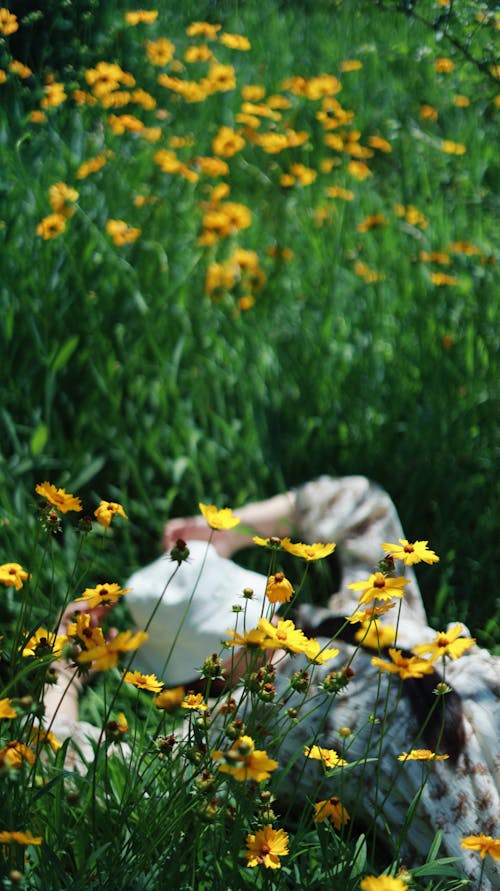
{"x": 124, "y": 380}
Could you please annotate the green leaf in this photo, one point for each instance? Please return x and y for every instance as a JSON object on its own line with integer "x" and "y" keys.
{"x": 65, "y": 352}
{"x": 38, "y": 439}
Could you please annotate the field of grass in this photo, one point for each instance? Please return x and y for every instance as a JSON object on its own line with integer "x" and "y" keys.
{"x": 234, "y": 256}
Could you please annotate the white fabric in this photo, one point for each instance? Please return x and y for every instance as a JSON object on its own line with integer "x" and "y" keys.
{"x": 198, "y": 601}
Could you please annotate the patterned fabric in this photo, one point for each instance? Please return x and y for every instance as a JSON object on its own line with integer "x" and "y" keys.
{"x": 460, "y": 799}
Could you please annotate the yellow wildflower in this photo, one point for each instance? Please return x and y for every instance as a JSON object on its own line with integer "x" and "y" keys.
{"x": 410, "y": 553}
{"x": 235, "y": 41}
{"x": 121, "y": 233}
{"x": 254, "y": 638}
{"x": 54, "y": 95}
{"x": 45, "y": 643}
{"x": 278, "y": 588}
{"x": 61, "y": 499}
{"x": 14, "y": 754}
{"x": 21, "y": 838}
{"x": 350, "y": 65}
{"x": 203, "y": 29}
{"x": 453, "y": 148}
{"x": 22, "y": 71}
{"x": 329, "y": 757}
{"x": 442, "y": 278}
{"x": 108, "y": 592}
{"x": 379, "y": 143}
{"x": 194, "y": 701}
{"x": 421, "y": 755}
{"x": 91, "y": 166}
{"x": 318, "y": 654}
{"x": 84, "y": 632}
{"x": 428, "y": 112}
{"x": 107, "y": 510}
{"x": 375, "y": 636}
{"x": 316, "y": 551}
{"x": 244, "y": 762}
{"x": 484, "y": 844}
{"x": 382, "y": 883}
{"x": 160, "y": 52}
{"x": 379, "y": 587}
{"x": 359, "y": 170}
{"x": 141, "y": 16}
{"x": 46, "y": 737}
{"x": 376, "y": 219}
{"x": 170, "y": 699}
{"x": 283, "y": 636}
{"x": 143, "y": 681}
{"x": 331, "y": 809}
{"x": 51, "y": 226}
{"x": 106, "y": 655}
{"x": 8, "y": 22}
{"x": 266, "y": 847}
{"x": 227, "y": 142}
{"x": 12, "y": 575}
{"x": 6, "y": 710}
{"x": 446, "y": 643}
{"x": 404, "y": 666}
{"x": 443, "y": 65}
{"x": 370, "y": 613}
{"x": 461, "y": 101}
{"x": 218, "y": 519}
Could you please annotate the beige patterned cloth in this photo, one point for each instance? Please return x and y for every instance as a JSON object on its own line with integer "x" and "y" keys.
{"x": 460, "y": 799}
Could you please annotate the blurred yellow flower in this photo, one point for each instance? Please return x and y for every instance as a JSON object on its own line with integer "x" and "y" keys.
{"x": 20, "y": 69}
{"x": 141, "y": 16}
{"x": 483, "y": 844}
{"x": 446, "y": 643}
{"x": 12, "y": 575}
{"x": 375, "y": 636}
{"x": 340, "y": 192}
{"x": 235, "y": 41}
{"x": 8, "y": 22}
{"x": 107, "y": 510}
{"x": 359, "y": 170}
{"x": 160, "y": 52}
{"x": 350, "y": 65}
{"x": 371, "y": 222}
{"x": 121, "y": 233}
{"x": 6, "y": 710}
{"x": 441, "y": 278}
{"x": 91, "y": 166}
{"x": 428, "y": 113}
{"x": 382, "y": 883}
{"x": 435, "y": 257}
{"x": 51, "y": 226}
{"x": 279, "y": 589}
{"x": 370, "y": 613}
{"x": 254, "y": 638}
{"x": 21, "y": 838}
{"x": 331, "y": 809}
{"x": 379, "y": 587}
{"x": 379, "y": 143}
{"x": 45, "y": 737}
{"x": 85, "y": 633}
{"x": 316, "y": 551}
{"x": 244, "y": 762}
{"x": 404, "y": 666}
{"x": 218, "y": 519}
{"x": 411, "y": 553}
{"x": 44, "y": 643}
{"x": 421, "y": 755}
{"x": 61, "y": 198}
{"x": 54, "y": 95}
{"x": 253, "y": 92}
{"x": 170, "y": 699}
{"x": 266, "y": 847}
{"x": 108, "y": 592}
{"x": 444, "y": 65}
{"x": 14, "y": 754}
{"x": 227, "y": 142}
{"x": 203, "y": 29}
{"x": 107, "y": 655}
{"x": 453, "y": 148}
{"x": 194, "y": 701}
{"x": 143, "y": 681}
{"x": 329, "y": 757}
{"x": 461, "y": 101}
{"x": 61, "y": 499}
{"x": 318, "y": 654}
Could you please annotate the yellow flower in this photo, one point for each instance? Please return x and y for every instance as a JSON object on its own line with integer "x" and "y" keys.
{"x": 441, "y": 278}
{"x": 14, "y": 753}
{"x": 382, "y": 883}
{"x": 350, "y": 65}
{"x": 278, "y": 588}
{"x": 107, "y": 510}
{"x": 218, "y": 519}
{"x": 108, "y": 592}
{"x": 359, "y": 170}
{"x": 235, "y": 41}
{"x": 446, "y": 643}
{"x": 91, "y": 166}
{"x": 194, "y": 701}
{"x": 329, "y": 757}
{"x": 61, "y": 197}
{"x": 379, "y": 587}
{"x": 421, "y": 755}
{"x": 464, "y": 247}
{"x": 21, "y": 838}
{"x": 84, "y": 632}
{"x": 404, "y": 666}
{"x": 484, "y": 844}
{"x": 121, "y": 233}
{"x": 376, "y": 219}
{"x": 253, "y": 638}
{"x": 272, "y": 543}
{"x": 54, "y": 95}
{"x": 410, "y": 553}
{"x": 46, "y": 737}
{"x": 6, "y": 710}
{"x": 203, "y": 29}
{"x": 453, "y": 148}
{"x": 141, "y": 16}
{"x": 461, "y": 101}
{"x": 253, "y": 92}
{"x": 443, "y": 65}
{"x": 316, "y": 551}
{"x": 8, "y": 22}
{"x": 283, "y": 636}
{"x": 106, "y": 655}
{"x": 331, "y": 809}
{"x": 61, "y": 499}
{"x": 340, "y": 192}
{"x": 266, "y": 847}
{"x": 244, "y": 762}
{"x": 143, "y": 681}
{"x": 12, "y": 575}
{"x": 227, "y": 142}
{"x": 428, "y": 112}
{"x": 170, "y": 699}
{"x": 374, "y": 635}
{"x": 45, "y": 643}
{"x": 370, "y": 613}
{"x": 160, "y": 52}
{"x": 51, "y": 226}
{"x": 318, "y": 654}
{"x": 20, "y": 69}
{"x": 379, "y": 143}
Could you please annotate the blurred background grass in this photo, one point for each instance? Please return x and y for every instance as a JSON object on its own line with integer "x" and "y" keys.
{"x": 122, "y": 379}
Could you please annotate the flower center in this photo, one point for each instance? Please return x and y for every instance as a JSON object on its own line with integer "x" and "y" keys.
{"x": 408, "y": 549}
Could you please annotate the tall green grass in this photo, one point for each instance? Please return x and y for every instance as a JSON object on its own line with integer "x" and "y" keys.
{"x": 122, "y": 379}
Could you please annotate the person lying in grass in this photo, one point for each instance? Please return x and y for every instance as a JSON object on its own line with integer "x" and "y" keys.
{"x": 415, "y": 711}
